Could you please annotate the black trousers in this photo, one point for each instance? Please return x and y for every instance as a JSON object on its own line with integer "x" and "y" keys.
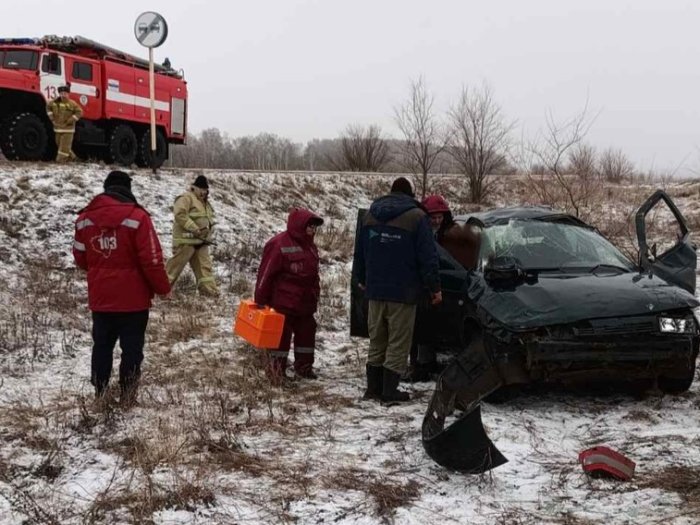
{"x": 108, "y": 327}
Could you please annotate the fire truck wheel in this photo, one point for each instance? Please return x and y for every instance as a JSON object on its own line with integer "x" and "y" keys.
{"x": 5, "y": 146}
{"x": 24, "y": 137}
{"x": 84, "y": 152}
{"x": 143, "y": 159}
{"x": 122, "y": 146}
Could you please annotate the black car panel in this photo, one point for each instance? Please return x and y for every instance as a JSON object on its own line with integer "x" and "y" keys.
{"x": 678, "y": 264}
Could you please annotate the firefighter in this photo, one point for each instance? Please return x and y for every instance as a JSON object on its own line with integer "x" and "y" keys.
{"x": 117, "y": 245}
{"x": 192, "y": 232}
{"x": 64, "y": 113}
{"x": 288, "y": 281}
{"x": 396, "y": 259}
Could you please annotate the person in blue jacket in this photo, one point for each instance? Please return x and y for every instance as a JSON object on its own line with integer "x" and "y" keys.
{"x": 396, "y": 261}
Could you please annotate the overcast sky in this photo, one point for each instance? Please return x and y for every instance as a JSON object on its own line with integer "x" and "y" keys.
{"x": 307, "y": 68}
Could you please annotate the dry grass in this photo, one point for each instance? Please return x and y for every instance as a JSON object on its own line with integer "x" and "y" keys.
{"x": 209, "y": 423}
{"x": 684, "y": 480}
{"x": 336, "y": 241}
{"x": 387, "y": 494}
{"x": 140, "y": 505}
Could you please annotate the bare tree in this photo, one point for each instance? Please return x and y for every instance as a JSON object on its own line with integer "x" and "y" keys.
{"x": 583, "y": 161}
{"x": 479, "y": 139}
{"x": 551, "y": 151}
{"x": 424, "y": 137}
{"x": 362, "y": 149}
{"x": 615, "y": 166}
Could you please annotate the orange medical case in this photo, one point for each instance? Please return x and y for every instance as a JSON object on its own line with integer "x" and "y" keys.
{"x": 260, "y": 326}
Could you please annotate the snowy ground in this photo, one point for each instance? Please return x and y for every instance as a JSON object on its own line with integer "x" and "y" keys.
{"x": 212, "y": 442}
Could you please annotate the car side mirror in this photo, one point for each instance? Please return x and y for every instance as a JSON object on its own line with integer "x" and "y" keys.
{"x": 503, "y": 271}
{"x": 652, "y": 252}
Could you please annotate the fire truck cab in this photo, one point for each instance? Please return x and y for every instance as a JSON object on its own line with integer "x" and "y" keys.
{"x": 111, "y": 87}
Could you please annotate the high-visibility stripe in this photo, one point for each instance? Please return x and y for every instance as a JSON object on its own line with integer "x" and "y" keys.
{"x": 142, "y": 102}
{"x": 206, "y": 280}
{"x": 79, "y": 246}
{"x": 607, "y": 460}
{"x": 291, "y": 249}
{"x": 64, "y": 154}
{"x": 83, "y": 224}
{"x": 199, "y": 214}
{"x": 278, "y": 353}
{"x": 67, "y": 130}
{"x": 303, "y": 350}
{"x": 131, "y": 223}
{"x": 83, "y": 89}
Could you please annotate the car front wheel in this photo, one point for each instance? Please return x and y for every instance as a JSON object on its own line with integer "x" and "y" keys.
{"x": 677, "y": 384}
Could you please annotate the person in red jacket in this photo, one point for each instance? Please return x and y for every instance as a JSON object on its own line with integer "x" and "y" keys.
{"x": 288, "y": 281}
{"x": 116, "y": 243}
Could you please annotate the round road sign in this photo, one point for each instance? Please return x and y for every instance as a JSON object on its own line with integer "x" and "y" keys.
{"x": 150, "y": 29}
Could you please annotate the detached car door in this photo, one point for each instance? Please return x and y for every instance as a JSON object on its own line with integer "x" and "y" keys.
{"x": 677, "y": 261}
{"x": 358, "y": 301}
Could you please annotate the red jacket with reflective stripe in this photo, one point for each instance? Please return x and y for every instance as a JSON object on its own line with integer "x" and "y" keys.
{"x": 117, "y": 245}
{"x": 288, "y": 278}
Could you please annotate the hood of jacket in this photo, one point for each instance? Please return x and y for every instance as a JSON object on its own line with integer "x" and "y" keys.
{"x": 391, "y": 206}
{"x": 107, "y": 211}
{"x": 297, "y": 221}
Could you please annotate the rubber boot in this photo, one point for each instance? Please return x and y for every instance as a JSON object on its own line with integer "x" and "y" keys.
{"x": 390, "y": 394}
{"x": 374, "y": 382}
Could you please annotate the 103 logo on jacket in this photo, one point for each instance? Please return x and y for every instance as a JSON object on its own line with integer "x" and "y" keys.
{"x": 105, "y": 243}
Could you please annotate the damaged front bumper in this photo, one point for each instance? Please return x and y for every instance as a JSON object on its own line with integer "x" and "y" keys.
{"x": 621, "y": 356}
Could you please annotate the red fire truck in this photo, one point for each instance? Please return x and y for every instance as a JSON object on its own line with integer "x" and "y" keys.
{"x": 110, "y": 86}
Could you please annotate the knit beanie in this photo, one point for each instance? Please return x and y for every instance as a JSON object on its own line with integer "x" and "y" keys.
{"x": 402, "y": 185}
{"x": 201, "y": 182}
{"x": 117, "y": 178}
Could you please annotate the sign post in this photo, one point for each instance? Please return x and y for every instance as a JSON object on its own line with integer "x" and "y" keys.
{"x": 151, "y": 30}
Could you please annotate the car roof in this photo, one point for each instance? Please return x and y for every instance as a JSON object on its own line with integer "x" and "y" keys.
{"x": 503, "y": 215}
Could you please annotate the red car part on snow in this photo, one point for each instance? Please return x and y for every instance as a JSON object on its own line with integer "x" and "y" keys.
{"x": 605, "y": 460}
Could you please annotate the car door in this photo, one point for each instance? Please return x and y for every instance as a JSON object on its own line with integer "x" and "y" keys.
{"x": 677, "y": 261}
{"x": 358, "y": 301}
{"x": 52, "y": 74}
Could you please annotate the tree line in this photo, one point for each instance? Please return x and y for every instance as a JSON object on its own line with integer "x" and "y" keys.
{"x": 472, "y": 138}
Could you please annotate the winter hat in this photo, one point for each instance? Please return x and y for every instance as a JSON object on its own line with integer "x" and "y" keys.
{"x": 402, "y": 185}
{"x": 117, "y": 178}
{"x": 435, "y": 204}
{"x": 63, "y": 89}
{"x": 201, "y": 182}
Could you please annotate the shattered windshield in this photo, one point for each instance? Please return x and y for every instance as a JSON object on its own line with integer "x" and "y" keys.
{"x": 550, "y": 246}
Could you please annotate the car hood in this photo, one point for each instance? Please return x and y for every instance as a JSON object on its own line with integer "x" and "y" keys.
{"x": 564, "y": 298}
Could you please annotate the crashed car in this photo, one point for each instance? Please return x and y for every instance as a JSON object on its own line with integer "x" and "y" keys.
{"x": 550, "y": 299}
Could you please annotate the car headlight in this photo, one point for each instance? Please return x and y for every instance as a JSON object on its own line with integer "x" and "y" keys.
{"x": 675, "y": 325}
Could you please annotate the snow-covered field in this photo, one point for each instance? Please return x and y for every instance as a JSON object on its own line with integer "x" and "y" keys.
{"x": 212, "y": 442}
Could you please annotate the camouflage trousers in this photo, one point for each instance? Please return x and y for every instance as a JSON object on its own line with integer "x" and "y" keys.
{"x": 199, "y": 260}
